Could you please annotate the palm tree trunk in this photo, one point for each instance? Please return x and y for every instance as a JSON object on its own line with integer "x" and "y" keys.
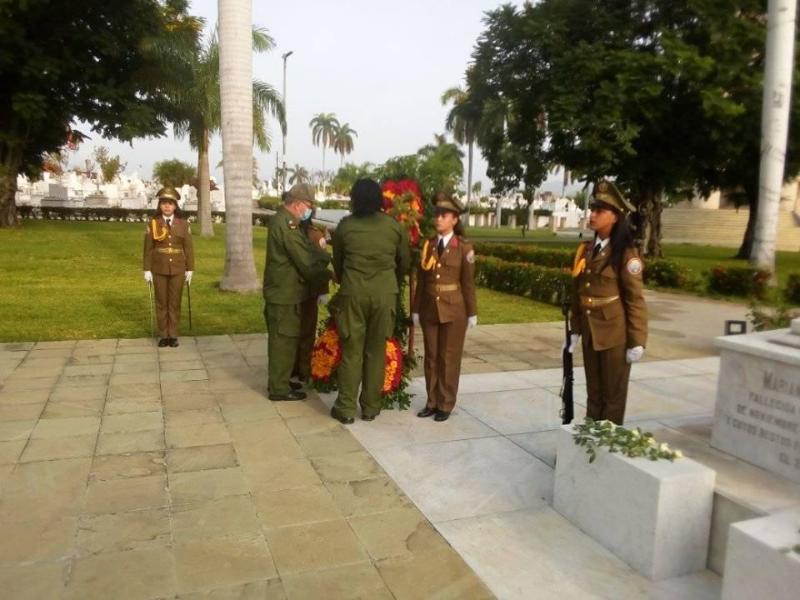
{"x": 323, "y": 169}
{"x": 204, "y": 188}
{"x": 11, "y": 163}
{"x": 236, "y": 93}
{"x": 469, "y": 175}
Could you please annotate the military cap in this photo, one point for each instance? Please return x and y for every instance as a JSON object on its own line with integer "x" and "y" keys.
{"x": 606, "y": 195}
{"x": 301, "y": 192}
{"x": 451, "y": 203}
{"x": 168, "y": 194}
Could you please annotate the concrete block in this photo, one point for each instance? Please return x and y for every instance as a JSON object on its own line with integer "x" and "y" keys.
{"x": 654, "y": 515}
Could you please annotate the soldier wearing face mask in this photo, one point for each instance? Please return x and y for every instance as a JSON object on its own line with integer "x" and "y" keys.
{"x": 292, "y": 268}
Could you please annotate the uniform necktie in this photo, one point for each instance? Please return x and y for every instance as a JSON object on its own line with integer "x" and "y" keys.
{"x": 440, "y": 246}
{"x": 596, "y": 250}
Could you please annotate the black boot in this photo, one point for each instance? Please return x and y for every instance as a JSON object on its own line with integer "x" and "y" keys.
{"x": 426, "y": 412}
{"x": 163, "y": 342}
{"x": 173, "y": 342}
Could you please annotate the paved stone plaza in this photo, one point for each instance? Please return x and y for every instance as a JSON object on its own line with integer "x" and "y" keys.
{"x": 135, "y": 472}
{"x": 128, "y": 471}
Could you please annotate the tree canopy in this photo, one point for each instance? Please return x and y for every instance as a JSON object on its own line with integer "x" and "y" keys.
{"x": 174, "y": 173}
{"x": 662, "y": 95}
{"x": 67, "y": 62}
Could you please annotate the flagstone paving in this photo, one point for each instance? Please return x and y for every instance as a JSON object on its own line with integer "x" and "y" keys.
{"x": 128, "y": 471}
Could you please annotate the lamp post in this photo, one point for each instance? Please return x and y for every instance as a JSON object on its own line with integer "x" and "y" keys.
{"x": 286, "y": 112}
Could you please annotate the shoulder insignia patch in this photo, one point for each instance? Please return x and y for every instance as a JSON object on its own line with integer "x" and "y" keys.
{"x": 291, "y": 224}
{"x": 634, "y": 266}
{"x": 471, "y": 256}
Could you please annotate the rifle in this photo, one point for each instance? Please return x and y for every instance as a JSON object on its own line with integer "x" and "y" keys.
{"x": 567, "y": 412}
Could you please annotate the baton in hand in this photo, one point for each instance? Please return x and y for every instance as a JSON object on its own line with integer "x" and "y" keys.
{"x": 189, "y": 299}
{"x": 152, "y": 310}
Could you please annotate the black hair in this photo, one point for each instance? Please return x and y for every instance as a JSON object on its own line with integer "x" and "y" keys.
{"x": 365, "y": 197}
{"x": 621, "y": 239}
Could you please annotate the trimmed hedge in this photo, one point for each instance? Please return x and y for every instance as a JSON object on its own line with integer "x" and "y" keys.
{"x": 555, "y": 258}
{"x": 792, "y": 291}
{"x": 663, "y": 272}
{"x": 538, "y": 283}
{"x": 738, "y": 281}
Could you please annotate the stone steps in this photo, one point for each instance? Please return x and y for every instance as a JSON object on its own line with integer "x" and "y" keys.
{"x": 724, "y": 227}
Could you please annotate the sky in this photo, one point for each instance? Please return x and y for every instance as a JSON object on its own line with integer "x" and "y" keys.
{"x": 380, "y": 66}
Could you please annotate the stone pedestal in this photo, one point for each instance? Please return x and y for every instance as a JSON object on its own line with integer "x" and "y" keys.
{"x": 757, "y": 416}
{"x": 761, "y": 560}
{"x": 654, "y": 515}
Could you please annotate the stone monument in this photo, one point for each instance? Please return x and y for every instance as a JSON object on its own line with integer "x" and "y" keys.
{"x": 757, "y": 416}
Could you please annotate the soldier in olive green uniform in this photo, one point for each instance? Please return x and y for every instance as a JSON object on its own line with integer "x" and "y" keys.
{"x": 608, "y": 307}
{"x": 168, "y": 263}
{"x": 445, "y": 306}
{"x": 290, "y": 270}
{"x": 370, "y": 257}
{"x": 309, "y": 309}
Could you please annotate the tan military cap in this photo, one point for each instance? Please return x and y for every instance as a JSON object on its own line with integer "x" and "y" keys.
{"x": 606, "y": 195}
{"x": 451, "y": 203}
{"x": 168, "y": 194}
{"x": 301, "y": 192}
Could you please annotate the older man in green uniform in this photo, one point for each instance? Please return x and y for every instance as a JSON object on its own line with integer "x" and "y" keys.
{"x": 370, "y": 257}
{"x": 291, "y": 269}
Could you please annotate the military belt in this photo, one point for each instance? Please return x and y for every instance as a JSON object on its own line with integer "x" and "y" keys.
{"x": 169, "y": 250}
{"x": 595, "y": 301}
{"x": 447, "y": 287}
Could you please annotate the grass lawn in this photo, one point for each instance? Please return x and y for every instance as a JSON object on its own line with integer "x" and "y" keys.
{"x": 83, "y": 280}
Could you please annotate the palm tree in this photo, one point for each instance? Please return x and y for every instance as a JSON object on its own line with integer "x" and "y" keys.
{"x": 198, "y": 101}
{"x": 462, "y": 121}
{"x": 323, "y": 131}
{"x": 299, "y": 175}
{"x": 343, "y": 140}
{"x": 236, "y": 102}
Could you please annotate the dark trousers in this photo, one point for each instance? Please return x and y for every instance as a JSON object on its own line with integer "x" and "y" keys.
{"x": 167, "y": 290}
{"x": 607, "y": 375}
{"x": 444, "y": 346}
{"x": 309, "y": 313}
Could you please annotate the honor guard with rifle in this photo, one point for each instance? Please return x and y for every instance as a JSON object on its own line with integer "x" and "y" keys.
{"x": 608, "y": 309}
{"x": 168, "y": 263}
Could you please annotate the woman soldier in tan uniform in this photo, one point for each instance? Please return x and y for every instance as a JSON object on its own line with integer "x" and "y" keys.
{"x": 608, "y": 307}
{"x": 168, "y": 263}
{"x": 444, "y": 306}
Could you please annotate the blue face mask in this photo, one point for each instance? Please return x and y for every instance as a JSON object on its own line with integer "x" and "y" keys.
{"x": 306, "y": 214}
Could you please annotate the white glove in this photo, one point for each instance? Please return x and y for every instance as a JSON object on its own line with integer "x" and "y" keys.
{"x": 472, "y": 321}
{"x": 573, "y": 342}
{"x": 148, "y": 277}
{"x": 188, "y": 277}
{"x": 635, "y": 354}
{"x": 323, "y": 299}
{"x": 415, "y": 319}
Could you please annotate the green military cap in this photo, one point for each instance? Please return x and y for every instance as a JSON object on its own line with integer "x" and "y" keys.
{"x": 168, "y": 194}
{"x": 301, "y": 192}
{"x": 451, "y": 203}
{"x": 606, "y": 195}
